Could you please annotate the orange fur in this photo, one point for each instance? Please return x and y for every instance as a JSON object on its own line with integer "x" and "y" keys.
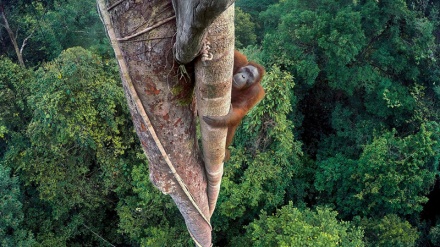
{"x": 242, "y": 100}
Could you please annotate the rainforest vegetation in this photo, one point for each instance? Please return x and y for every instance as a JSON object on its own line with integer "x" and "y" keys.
{"x": 343, "y": 150}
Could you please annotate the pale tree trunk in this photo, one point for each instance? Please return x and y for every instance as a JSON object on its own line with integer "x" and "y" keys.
{"x": 214, "y": 80}
{"x": 13, "y": 38}
{"x": 142, "y": 33}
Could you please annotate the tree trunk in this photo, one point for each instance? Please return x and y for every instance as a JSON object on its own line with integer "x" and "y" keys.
{"x": 193, "y": 19}
{"x": 156, "y": 91}
{"x": 213, "y": 83}
{"x": 12, "y": 37}
{"x": 159, "y": 93}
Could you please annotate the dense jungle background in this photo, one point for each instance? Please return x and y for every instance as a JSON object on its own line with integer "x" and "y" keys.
{"x": 343, "y": 151}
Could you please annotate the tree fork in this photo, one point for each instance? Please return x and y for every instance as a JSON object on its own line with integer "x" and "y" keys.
{"x": 193, "y": 19}
{"x": 150, "y": 75}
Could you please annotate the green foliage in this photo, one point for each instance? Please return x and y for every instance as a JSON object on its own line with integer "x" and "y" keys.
{"x": 264, "y": 152}
{"x": 293, "y": 227}
{"x": 52, "y": 26}
{"x": 392, "y": 176}
{"x": 310, "y": 34}
{"x": 80, "y": 143}
{"x": 12, "y": 92}
{"x": 389, "y": 231}
{"x": 244, "y": 29}
{"x": 74, "y": 103}
{"x": 359, "y": 131}
{"x": 434, "y": 235}
{"x": 356, "y": 44}
{"x": 11, "y": 228}
{"x": 150, "y": 218}
{"x": 3, "y": 130}
{"x": 366, "y": 76}
{"x": 253, "y": 53}
{"x": 253, "y": 8}
{"x": 76, "y": 23}
{"x": 371, "y": 61}
{"x": 14, "y": 114}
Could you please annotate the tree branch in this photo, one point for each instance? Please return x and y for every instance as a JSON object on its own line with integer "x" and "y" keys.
{"x": 193, "y": 19}
{"x": 12, "y": 37}
{"x": 24, "y": 42}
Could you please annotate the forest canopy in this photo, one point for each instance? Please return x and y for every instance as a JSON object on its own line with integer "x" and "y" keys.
{"x": 343, "y": 150}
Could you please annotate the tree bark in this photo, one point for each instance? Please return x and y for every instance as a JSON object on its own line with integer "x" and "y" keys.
{"x": 213, "y": 84}
{"x": 156, "y": 91}
{"x": 13, "y": 38}
{"x": 193, "y": 19}
{"x": 159, "y": 93}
